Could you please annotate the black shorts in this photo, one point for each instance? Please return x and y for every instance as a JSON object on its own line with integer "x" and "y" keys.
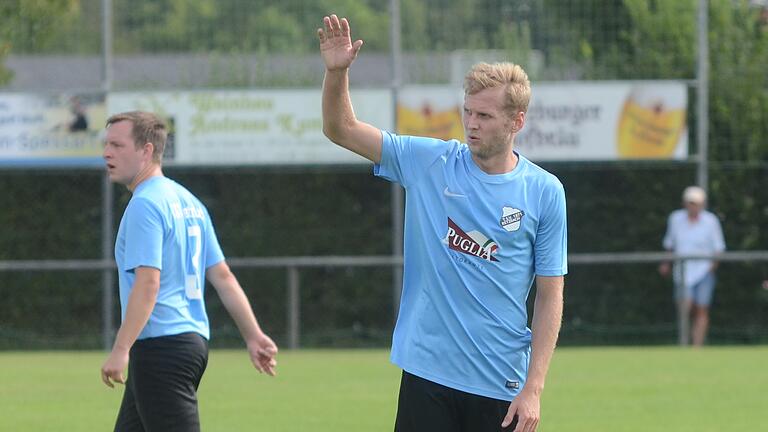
{"x": 425, "y": 406}
{"x": 161, "y": 389}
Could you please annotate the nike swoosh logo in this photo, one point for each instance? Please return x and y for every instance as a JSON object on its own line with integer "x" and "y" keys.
{"x": 451, "y": 194}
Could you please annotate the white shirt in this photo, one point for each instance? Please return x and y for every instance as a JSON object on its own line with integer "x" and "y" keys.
{"x": 702, "y": 236}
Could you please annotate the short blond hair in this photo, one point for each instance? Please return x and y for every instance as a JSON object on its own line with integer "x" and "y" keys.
{"x": 517, "y": 86}
{"x": 147, "y": 128}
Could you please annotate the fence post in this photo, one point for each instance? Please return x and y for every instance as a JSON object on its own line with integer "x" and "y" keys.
{"x": 683, "y": 307}
{"x": 293, "y": 306}
{"x": 396, "y": 59}
{"x": 107, "y": 275}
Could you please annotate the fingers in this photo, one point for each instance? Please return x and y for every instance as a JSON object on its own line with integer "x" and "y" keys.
{"x": 105, "y": 379}
{"x": 108, "y": 376}
{"x": 265, "y": 365}
{"x": 333, "y": 27}
{"x": 509, "y": 419}
{"x": 527, "y": 425}
{"x": 520, "y": 423}
{"x": 356, "y": 46}
{"x": 344, "y": 27}
{"x": 269, "y": 367}
{"x": 263, "y": 359}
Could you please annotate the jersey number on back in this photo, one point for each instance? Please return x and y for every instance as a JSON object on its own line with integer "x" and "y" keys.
{"x": 193, "y": 288}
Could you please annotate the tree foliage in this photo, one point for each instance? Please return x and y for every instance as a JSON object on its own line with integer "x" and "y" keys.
{"x": 27, "y": 25}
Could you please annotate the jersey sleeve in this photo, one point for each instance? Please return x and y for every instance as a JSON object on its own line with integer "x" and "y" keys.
{"x": 551, "y": 245}
{"x": 404, "y": 158}
{"x": 144, "y": 231}
{"x": 213, "y": 252}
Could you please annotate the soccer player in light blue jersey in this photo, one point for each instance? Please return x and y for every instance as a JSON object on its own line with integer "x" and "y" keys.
{"x": 165, "y": 250}
{"x": 482, "y": 224}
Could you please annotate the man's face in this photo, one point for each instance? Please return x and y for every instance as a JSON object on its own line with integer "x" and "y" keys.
{"x": 489, "y": 130}
{"x": 693, "y": 208}
{"x": 124, "y": 161}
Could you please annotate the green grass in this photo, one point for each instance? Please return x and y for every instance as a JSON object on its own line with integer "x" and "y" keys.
{"x": 589, "y": 389}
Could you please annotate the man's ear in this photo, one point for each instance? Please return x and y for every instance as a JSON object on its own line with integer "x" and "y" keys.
{"x": 518, "y": 121}
{"x": 149, "y": 149}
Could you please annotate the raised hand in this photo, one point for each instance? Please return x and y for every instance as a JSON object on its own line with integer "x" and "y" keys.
{"x": 336, "y": 45}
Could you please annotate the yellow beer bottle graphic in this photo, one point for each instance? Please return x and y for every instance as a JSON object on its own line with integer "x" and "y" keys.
{"x": 651, "y": 123}
{"x": 427, "y": 121}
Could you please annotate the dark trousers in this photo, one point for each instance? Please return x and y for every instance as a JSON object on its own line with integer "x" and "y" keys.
{"x": 425, "y": 406}
{"x": 161, "y": 389}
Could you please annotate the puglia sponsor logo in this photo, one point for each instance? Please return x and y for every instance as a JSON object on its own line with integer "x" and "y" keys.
{"x": 472, "y": 243}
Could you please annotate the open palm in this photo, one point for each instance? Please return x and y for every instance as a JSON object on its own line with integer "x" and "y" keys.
{"x": 336, "y": 45}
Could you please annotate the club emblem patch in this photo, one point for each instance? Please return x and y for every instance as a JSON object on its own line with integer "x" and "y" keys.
{"x": 511, "y": 218}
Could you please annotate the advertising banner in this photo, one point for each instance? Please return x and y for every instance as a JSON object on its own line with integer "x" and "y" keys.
{"x": 45, "y": 130}
{"x": 266, "y": 127}
{"x": 571, "y": 121}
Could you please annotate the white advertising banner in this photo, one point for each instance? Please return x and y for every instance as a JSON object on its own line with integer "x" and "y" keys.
{"x": 571, "y": 121}
{"x": 59, "y": 130}
{"x": 267, "y": 127}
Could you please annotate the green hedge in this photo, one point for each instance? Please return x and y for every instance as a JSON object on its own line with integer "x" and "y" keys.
{"x": 611, "y": 208}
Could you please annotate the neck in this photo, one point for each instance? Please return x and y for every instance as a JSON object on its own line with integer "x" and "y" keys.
{"x": 498, "y": 164}
{"x": 151, "y": 170}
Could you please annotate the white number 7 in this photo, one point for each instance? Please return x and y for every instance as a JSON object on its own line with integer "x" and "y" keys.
{"x": 193, "y": 287}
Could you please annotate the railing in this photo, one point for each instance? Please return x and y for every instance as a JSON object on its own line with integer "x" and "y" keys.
{"x": 293, "y": 282}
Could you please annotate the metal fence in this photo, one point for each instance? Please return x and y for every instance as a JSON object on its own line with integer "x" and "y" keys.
{"x": 101, "y": 45}
{"x": 293, "y": 286}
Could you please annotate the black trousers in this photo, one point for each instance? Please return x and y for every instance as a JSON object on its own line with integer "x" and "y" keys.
{"x": 161, "y": 389}
{"x": 425, "y": 406}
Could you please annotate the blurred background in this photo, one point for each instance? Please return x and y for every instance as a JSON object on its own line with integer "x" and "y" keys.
{"x": 65, "y": 65}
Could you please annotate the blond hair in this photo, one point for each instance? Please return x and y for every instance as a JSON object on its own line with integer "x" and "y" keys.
{"x": 147, "y": 128}
{"x": 514, "y": 79}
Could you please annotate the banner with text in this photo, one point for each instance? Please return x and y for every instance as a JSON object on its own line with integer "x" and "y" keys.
{"x": 570, "y": 120}
{"x": 266, "y": 127}
{"x": 51, "y": 130}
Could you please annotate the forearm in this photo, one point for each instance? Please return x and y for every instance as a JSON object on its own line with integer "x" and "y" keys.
{"x": 547, "y": 317}
{"x": 141, "y": 302}
{"x": 235, "y": 301}
{"x": 338, "y": 114}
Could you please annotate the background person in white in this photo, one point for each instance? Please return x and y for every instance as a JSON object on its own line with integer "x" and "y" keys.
{"x": 165, "y": 247}
{"x": 481, "y": 223}
{"x": 693, "y": 230}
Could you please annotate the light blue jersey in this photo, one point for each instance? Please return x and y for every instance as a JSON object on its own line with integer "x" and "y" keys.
{"x": 167, "y": 228}
{"x": 473, "y": 244}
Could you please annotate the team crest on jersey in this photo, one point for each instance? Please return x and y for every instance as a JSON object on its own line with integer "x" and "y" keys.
{"x": 470, "y": 243}
{"x": 511, "y": 218}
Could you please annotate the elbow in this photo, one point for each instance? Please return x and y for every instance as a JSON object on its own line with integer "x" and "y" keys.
{"x": 328, "y": 132}
{"x": 148, "y": 290}
{"x": 153, "y": 288}
{"x": 333, "y": 132}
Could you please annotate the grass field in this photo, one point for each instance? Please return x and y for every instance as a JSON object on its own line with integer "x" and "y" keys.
{"x": 589, "y": 389}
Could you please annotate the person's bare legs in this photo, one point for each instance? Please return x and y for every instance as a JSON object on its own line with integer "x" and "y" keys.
{"x": 700, "y": 324}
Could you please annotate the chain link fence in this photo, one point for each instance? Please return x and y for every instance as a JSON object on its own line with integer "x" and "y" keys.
{"x": 614, "y": 207}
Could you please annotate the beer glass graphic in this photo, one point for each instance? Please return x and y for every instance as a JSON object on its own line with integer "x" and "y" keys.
{"x": 651, "y": 122}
